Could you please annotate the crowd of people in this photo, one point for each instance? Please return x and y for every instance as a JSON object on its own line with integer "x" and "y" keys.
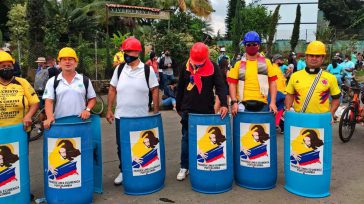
{"x": 249, "y": 82}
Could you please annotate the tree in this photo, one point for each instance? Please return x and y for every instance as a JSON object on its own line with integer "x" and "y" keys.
{"x": 272, "y": 29}
{"x": 250, "y": 18}
{"x": 342, "y": 14}
{"x": 236, "y": 29}
{"x": 202, "y": 8}
{"x": 231, "y": 10}
{"x": 36, "y": 18}
{"x": 296, "y": 29}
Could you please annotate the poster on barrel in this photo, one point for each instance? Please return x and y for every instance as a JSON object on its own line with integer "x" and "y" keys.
{"x": 255, "y": 145}
{"x": 9, "y": 169}
{"x": 64, "y": 163}
{"x": 307, "y": 150}
{"x": 145, "y": 152}
{"x": 211, "y": 148}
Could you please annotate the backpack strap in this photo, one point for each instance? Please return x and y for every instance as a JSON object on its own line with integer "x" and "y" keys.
{"x": 146, "y": 72}
{"x": 86, "y": 81}
{"x": 55, "y": 84}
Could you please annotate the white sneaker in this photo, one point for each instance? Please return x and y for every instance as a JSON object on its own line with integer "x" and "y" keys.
{"x": 118, "y": 180}
{"x": 182, "y": 174}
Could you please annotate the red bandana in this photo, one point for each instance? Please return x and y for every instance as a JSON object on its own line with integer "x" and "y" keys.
{"x": 196, "y": 74}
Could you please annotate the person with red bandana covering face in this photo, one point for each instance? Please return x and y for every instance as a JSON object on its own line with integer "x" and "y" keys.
{"x": 195, "y": 94}
{"x": 252, "y": 78}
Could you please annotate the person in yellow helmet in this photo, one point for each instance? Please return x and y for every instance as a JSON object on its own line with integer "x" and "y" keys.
{"x": 19, "y": 102}
{"x": 71, "y": 92}
{"x": 300, "y": 83}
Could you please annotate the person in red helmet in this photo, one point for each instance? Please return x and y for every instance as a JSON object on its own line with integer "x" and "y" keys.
{"x": 195, "y": 94}
{"x": 130, "y": 85}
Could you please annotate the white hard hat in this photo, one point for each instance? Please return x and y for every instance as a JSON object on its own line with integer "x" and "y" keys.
{"x": 222, "y": 49}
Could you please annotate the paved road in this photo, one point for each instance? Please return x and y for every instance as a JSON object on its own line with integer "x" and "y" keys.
{"x": 346, "y": 187}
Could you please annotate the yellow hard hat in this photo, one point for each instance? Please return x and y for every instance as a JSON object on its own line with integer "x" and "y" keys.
{"x": 67, "y": 52}
{"x": 316, "y": 48}
{"x": 6, "y": 57}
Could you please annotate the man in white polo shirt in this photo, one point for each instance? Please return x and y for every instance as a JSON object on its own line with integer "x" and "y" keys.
{"x": 68, "y": 90}
{"x": 130, "y": 84}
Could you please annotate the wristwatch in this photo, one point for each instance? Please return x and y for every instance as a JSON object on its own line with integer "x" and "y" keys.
{"x": 88, "y": 109}
{"x": 233, "y": 101}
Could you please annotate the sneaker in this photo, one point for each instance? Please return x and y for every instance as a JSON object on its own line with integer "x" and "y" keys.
{"x": 182, "y": 174}
{"x": 118, "y": 180}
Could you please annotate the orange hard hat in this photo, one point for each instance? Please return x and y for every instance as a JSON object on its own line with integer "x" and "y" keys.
{"x": 131, "y": 44}
{"x": 199, "y": 53}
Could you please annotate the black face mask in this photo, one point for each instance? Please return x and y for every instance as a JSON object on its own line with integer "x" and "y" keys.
{"x": 167, "y": 54}
{"x": 7, "y": 73}
{"x": 280, "y": 64}
{"x": 129, "y": 59}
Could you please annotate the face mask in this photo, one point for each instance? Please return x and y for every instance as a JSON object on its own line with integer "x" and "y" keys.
{"x": 252, "y": 50}
{"x": 7, "y": 73}
{"x": 280, "y": 64}
{"x": 129, "y": 59}
{"x": 167, "y": 54}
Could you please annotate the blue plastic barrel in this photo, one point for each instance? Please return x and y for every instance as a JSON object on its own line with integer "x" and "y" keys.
{"x": 14, "y": 173}
{"x": 255, "y": 150}
{"x": 142, "y": 153}
{"x": 68, "y": 160}
{"x": 210, "y": 153}
{"x": 307, "y": 154}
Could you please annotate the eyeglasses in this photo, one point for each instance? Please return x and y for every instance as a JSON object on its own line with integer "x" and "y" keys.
{"x": 251, "y": 44}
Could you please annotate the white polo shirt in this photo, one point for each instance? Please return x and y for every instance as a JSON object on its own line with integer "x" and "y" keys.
{"x": 70, "y": 97}
{"x": 132, "y": 91}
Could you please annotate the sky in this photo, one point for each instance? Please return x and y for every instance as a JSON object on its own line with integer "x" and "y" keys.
{"x": 218, "y": 17}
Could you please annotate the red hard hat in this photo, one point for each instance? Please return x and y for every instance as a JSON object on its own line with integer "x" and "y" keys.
{"x": 131, "y": 44}
{"x": 199, "y": 53}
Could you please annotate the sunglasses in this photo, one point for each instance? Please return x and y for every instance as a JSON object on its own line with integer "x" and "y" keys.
{"x": 251, "y": 44}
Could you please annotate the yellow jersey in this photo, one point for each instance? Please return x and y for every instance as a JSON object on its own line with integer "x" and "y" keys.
{"x": 15, "y": 100}
{"x": 281, "y": 80}
{"x": 299, "y": 85}
{"x": 251, "y": 83}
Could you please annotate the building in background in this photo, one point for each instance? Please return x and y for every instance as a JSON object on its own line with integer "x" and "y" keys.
{"x": 287, "y": 12}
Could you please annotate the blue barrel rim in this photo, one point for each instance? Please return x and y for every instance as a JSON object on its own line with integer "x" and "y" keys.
{"x": 260, "y": 113}
{"x": 317, "y": 114}
{"x": 71, "y": 123}
{"x": 11, "y": 126}
{"x": 141, "y": 117}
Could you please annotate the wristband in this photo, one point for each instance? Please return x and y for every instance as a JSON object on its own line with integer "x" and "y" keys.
{"x": 87, "y": 109}
{"x": 233, "y": 101}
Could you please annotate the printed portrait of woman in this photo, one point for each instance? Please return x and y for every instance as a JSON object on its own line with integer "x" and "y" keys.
{"x": 304, "y": 147}
{"x": 64, "y": 152}
{"x": 142, "y": 150}
{"x": 7, "y": 158}
{"x": 209, "y": 144}
{"x": 253, "y": 142}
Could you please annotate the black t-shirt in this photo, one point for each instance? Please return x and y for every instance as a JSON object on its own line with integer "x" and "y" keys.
{"x": 194, "y": 102}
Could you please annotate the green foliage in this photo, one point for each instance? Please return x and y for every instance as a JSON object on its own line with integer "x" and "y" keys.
{"x": 174, "y": 42}
{"x": 296, "y": 28}
{"x": 343, "y": 14}
{"x": 272, "y": 29}
{"x": 118, "y": 38}
{"x": 251, "y": 18}
{"x": 231, "y": 10}
{"x": 36, "y": 33}
{"x": 1, "y": 38}
{"x": 17, "y": 23}
{"x": 325, "y": 33}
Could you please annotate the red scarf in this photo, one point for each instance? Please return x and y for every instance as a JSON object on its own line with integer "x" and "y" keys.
{"x": 206, "y": 70}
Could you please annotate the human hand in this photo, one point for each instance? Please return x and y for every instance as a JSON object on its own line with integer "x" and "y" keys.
{"x": 110, "y": 116}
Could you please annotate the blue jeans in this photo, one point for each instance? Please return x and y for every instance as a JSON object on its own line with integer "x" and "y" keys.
{"x": 169, "y": 101}
{"x": 167, "y": 78}
{"x": 118, "y": 140}
{"x": 184, "y": 141}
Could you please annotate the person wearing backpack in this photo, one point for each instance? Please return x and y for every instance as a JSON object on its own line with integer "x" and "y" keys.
{"x": 69, "y": 93}
{"x": 130, "y": 85}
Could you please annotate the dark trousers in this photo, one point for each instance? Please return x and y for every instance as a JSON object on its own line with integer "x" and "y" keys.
{"x": 184, "y": 141}
{"x": 117, "y": 121}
